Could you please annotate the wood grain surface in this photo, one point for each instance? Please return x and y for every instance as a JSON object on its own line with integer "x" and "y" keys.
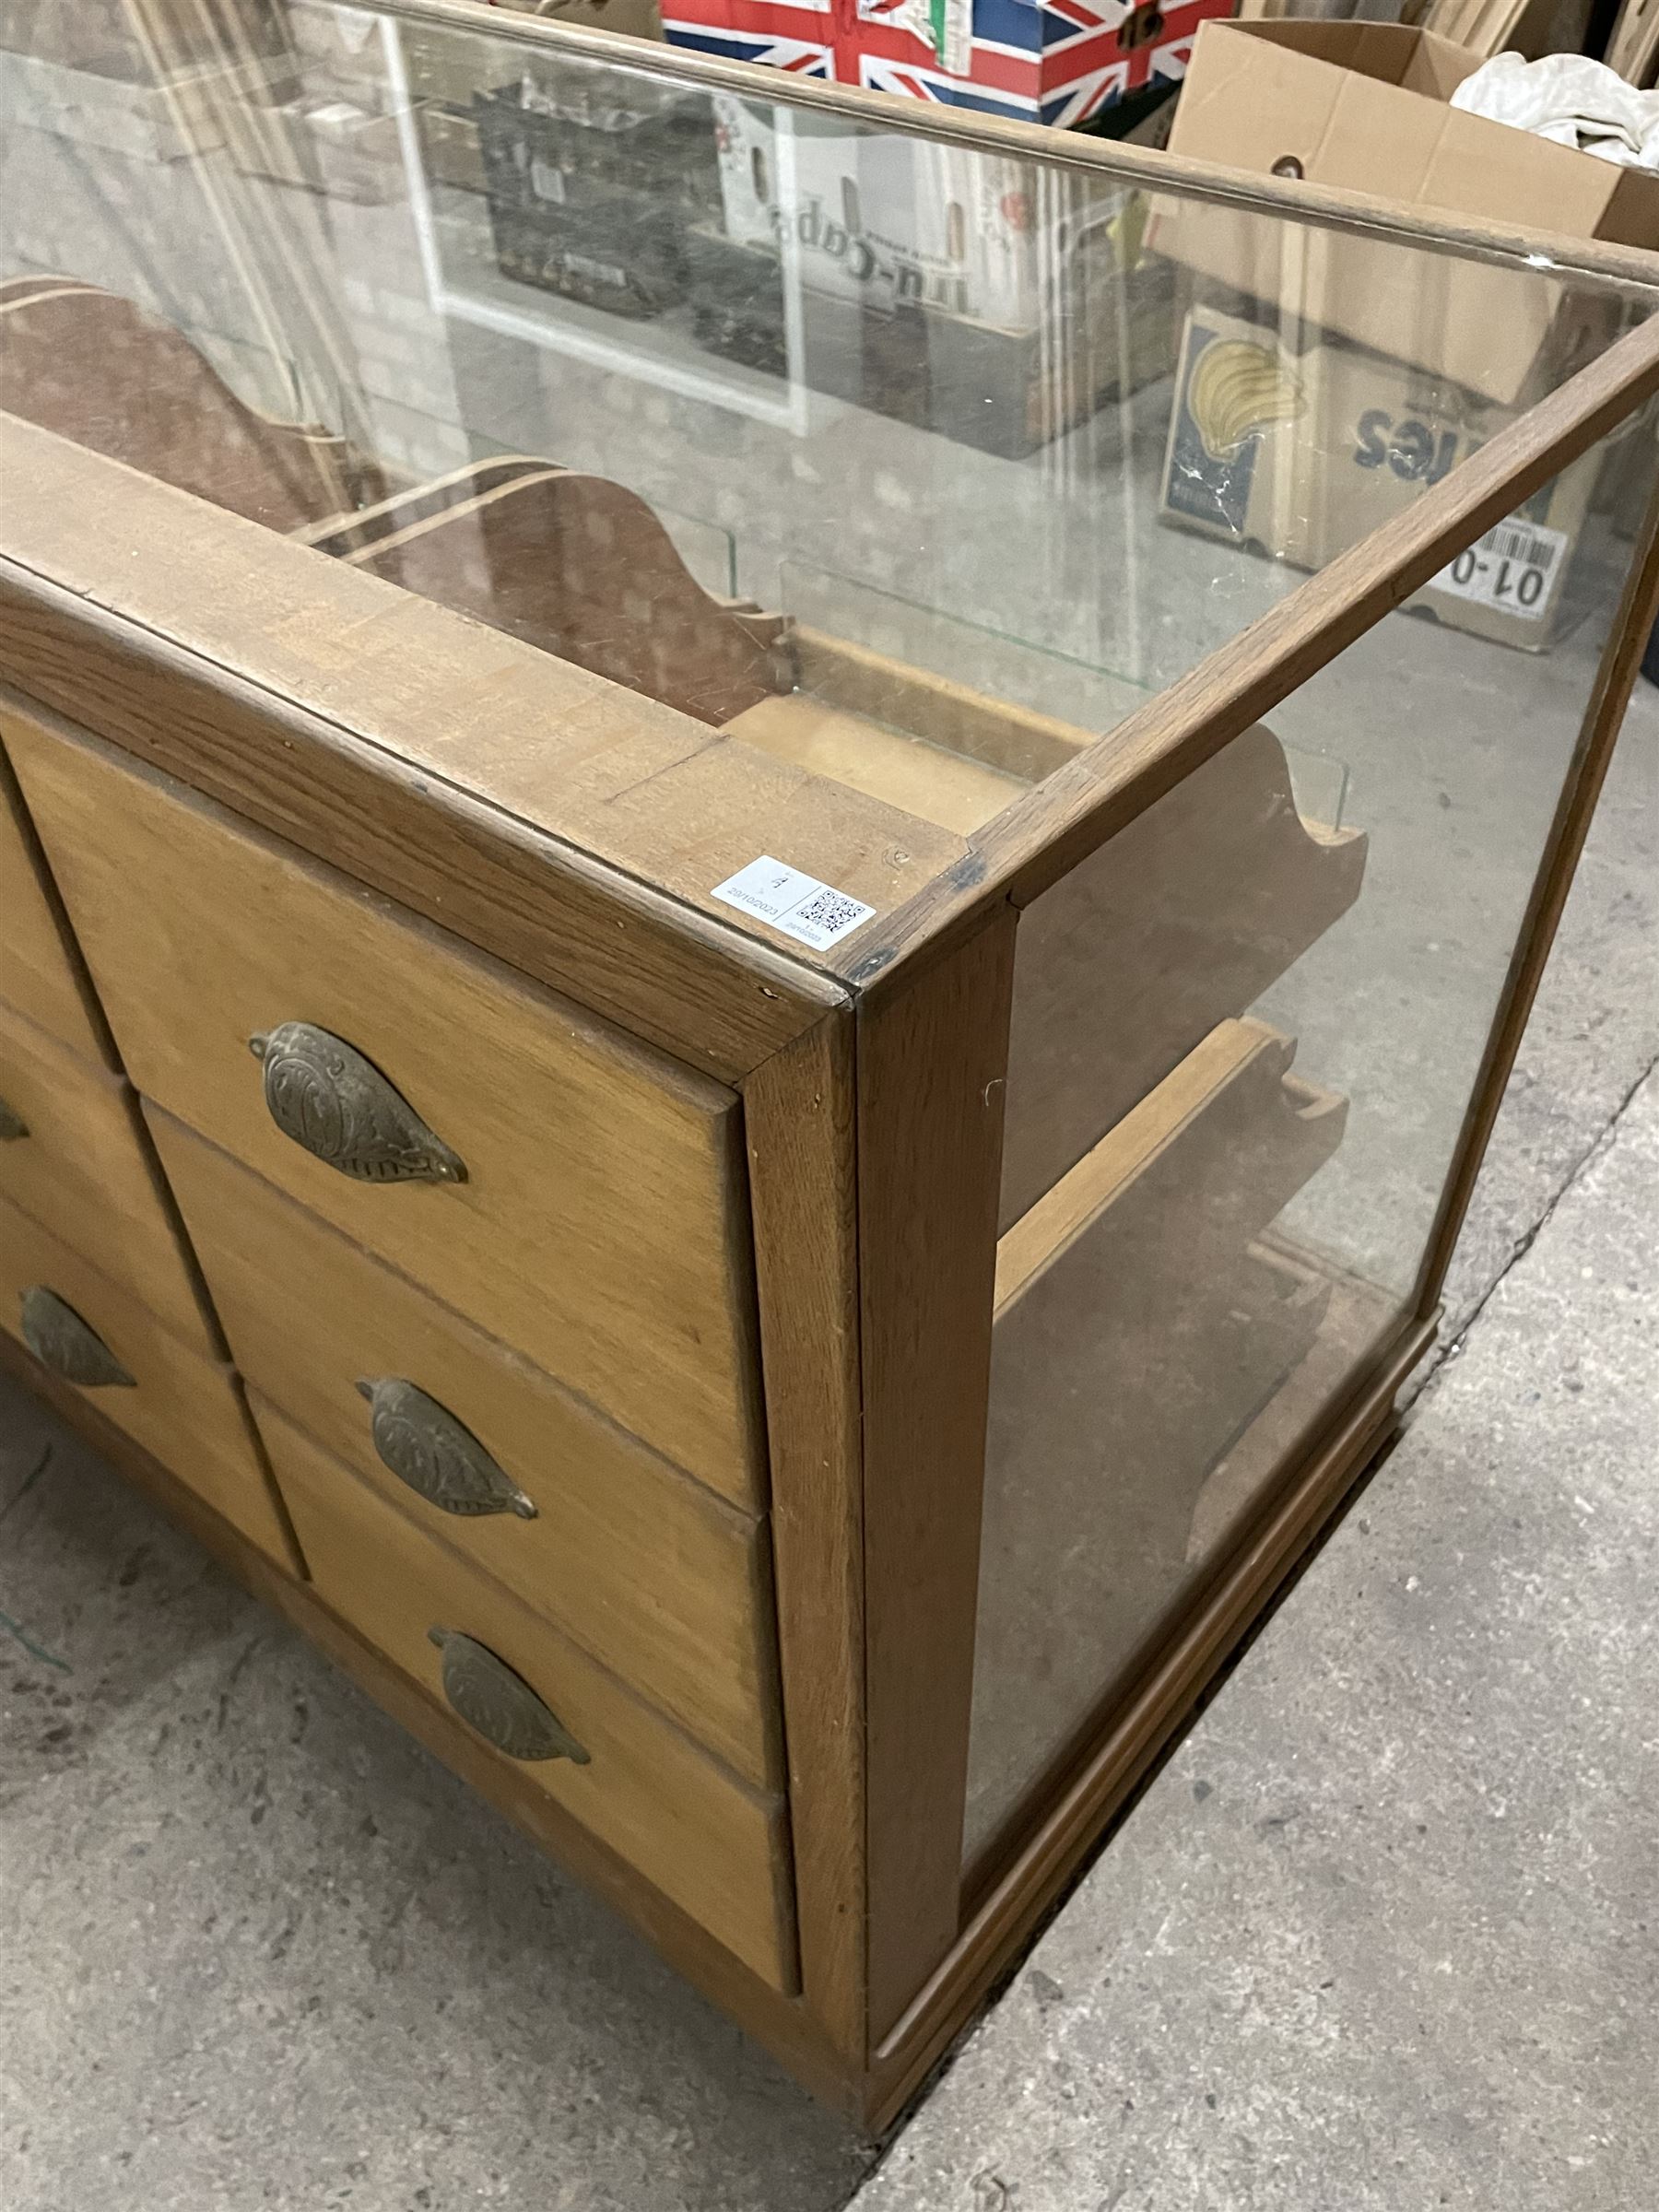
{"x": 799, "y": 1111}
{"x": 41, "y": 971}
{"x": 582, "y": 568}
{"x": 85, "y": 1171}
{"x": 99, "y": 370}
{"x": 715, "y": 1847}
{"x": 184, "y": 1409}
{"x": 1201, "y": 1164}
{"x": 931, "y": 1063}
{"x": 603, "y": 1227}
{"x": 1126, "y": 964}
{"x": 658, "y": 1579}
{"x": 573, "y": 827}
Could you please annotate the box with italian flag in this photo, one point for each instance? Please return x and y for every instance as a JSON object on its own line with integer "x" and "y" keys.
{"x": 1058, "y": 62}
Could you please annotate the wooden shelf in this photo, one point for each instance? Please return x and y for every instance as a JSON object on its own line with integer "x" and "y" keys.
{"x": 1183, "y": 919}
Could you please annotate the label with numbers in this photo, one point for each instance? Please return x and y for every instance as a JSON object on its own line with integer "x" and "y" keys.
{"x": 1514, "y": 570}
{"x": 802, "y": 907}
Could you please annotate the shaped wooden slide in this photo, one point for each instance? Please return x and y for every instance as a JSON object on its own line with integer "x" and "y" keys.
{"x": 583, "y": 568}
{"x": 102, "y": 372}
{"x": 1143, "y": 1320}
{"x": 1184, "y": 919}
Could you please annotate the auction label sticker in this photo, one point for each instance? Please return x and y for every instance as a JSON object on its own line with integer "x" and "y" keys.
{"x": 1513, "y": 570}
{"x": 816, "y": 913}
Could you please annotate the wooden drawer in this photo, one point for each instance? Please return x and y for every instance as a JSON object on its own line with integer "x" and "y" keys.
{"x": 39, "y": 973}
{"x": 186, "y": 1411}
{"x": 1184, "y": 919}
{"x": 602, "y": 1227}
{"x": 664, "y": 1582}
{"x": 83, "y": 1170}
{"x": 696, "y": 1832}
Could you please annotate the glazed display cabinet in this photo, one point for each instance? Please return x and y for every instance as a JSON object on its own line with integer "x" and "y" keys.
{"x": 769, "y": 862}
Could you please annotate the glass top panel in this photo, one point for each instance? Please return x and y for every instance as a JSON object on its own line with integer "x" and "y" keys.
{"x": 909, "y": 466}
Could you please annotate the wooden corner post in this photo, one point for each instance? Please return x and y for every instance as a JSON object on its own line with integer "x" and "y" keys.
{"x": 933, "y": 1052}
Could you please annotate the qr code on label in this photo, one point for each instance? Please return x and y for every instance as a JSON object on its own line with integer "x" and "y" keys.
{"x": 831, "y": 912}
{"x": 802, "y": 906}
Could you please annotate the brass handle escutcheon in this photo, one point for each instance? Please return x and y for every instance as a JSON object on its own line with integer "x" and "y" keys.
{"x": 500, "y": 1704}
{"x": 12, "y": 1125}
{"x": 425, "y": 1446}
{"x": 60, "y": 1340}
{"x": 323, "y": 1093}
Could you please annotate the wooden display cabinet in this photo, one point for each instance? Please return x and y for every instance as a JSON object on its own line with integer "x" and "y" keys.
{"x": 795, "y": 1416}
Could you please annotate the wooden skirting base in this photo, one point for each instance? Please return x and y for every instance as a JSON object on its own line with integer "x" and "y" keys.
{"x": 1002, "y": 1920}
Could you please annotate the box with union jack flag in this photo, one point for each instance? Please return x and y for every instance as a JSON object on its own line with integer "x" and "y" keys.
{"x": 1060, "y": 61}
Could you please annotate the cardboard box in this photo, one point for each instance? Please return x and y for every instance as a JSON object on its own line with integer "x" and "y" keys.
{"x": 894, "y": 221}
{"x": 981, "y": 297}
{"x": 1058, "y": 62}
{"x": 1303, "y": 456}
{"x": 1007, "y": 392}
{"x": 1364, "y": 106}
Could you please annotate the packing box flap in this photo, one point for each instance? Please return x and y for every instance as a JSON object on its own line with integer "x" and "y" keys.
{"x": 1364, "y": 106}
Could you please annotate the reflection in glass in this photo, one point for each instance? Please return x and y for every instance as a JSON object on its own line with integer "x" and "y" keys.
{"x": 1246, "y": 1036}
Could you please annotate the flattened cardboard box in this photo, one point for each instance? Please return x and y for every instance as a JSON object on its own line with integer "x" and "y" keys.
{"x": 1305, "y": 454}
{"x": 1364, "y": 106}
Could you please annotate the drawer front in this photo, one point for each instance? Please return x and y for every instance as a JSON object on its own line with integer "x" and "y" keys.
{"x": 601, "y": 1227}
{"x": 80, "y": 1167}
{"x": 664, "y": 1582}
{"x": 184, "y": 1410}
{"x": 690, "y": 1828}
{"x": 38, "y": 971}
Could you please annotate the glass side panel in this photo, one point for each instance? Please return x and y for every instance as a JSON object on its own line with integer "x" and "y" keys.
{"x": 1246, "y": 1034}
{"x": 907, "y": 467}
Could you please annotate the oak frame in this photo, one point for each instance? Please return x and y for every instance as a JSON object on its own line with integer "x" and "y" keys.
{"x": 875, "y": 1612}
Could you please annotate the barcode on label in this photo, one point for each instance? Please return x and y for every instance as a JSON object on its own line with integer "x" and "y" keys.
{"x": 814, "y": 912}
{"x": 1514, "y": 570}
{"x": 1511, "y": 543}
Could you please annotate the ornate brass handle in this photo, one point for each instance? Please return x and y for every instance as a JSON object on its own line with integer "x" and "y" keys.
{"x": 60, "y": 1340}
{"x": 500, "y": 1704}
{"x": 323, "y": 1093}
{"x": 437, "y": 1455}
{"x": 12, "y": 1125}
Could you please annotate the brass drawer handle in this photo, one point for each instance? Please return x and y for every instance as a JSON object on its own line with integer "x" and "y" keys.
{"x": 60, "y": 1340}
{"x": 323, "y": 1093}
{"x": 12, "y": 1125}
{"x": 437, "y": 1456}
{"x": 500, "y": 1704}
